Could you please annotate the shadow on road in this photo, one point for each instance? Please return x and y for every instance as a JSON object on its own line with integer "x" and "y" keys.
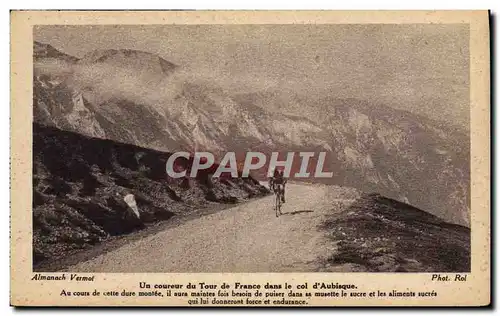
{"x": 298, "y": 212}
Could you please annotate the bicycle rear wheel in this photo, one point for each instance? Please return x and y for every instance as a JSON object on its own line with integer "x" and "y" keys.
{"x": 278, "y": 203}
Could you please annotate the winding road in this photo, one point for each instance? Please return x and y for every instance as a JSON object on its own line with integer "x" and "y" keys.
{"x": 245, "y": 238}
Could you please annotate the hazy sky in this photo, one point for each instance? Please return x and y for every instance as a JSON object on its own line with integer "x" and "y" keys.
{"x": 422, "y": 68}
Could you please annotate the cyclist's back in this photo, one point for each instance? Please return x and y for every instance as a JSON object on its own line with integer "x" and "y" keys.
{"x": 279, "y": 179}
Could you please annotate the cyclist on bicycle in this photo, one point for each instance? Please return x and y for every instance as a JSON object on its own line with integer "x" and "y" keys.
{"x": 278, "y": 178}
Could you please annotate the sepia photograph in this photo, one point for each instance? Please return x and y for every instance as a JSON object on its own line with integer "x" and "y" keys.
{"x": 386, "y": 106}
{"x": 297, "y": 156}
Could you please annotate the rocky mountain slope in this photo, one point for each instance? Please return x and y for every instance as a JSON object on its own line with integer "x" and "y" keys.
{"x": 79, "y": 185}
{"x": 139, "y": 98}
{"x": 403, "y": 156}
{"x": 378, "y": 234}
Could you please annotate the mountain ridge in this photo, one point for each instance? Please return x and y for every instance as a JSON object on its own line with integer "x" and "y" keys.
{"x": 372, "y": 148}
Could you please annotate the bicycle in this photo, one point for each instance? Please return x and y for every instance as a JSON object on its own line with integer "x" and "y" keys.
{"x": 278, "y": 191}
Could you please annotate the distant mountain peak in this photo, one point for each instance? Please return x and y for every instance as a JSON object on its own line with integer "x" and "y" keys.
{"x": 44, "y": 51}
{"x": 129, "y": 57}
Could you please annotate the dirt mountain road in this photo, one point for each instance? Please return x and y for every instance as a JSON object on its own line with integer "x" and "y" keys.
{"x": 246, "y": 238}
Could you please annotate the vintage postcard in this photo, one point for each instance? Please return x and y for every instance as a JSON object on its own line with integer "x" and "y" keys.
{"x": 250, "y": 158}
